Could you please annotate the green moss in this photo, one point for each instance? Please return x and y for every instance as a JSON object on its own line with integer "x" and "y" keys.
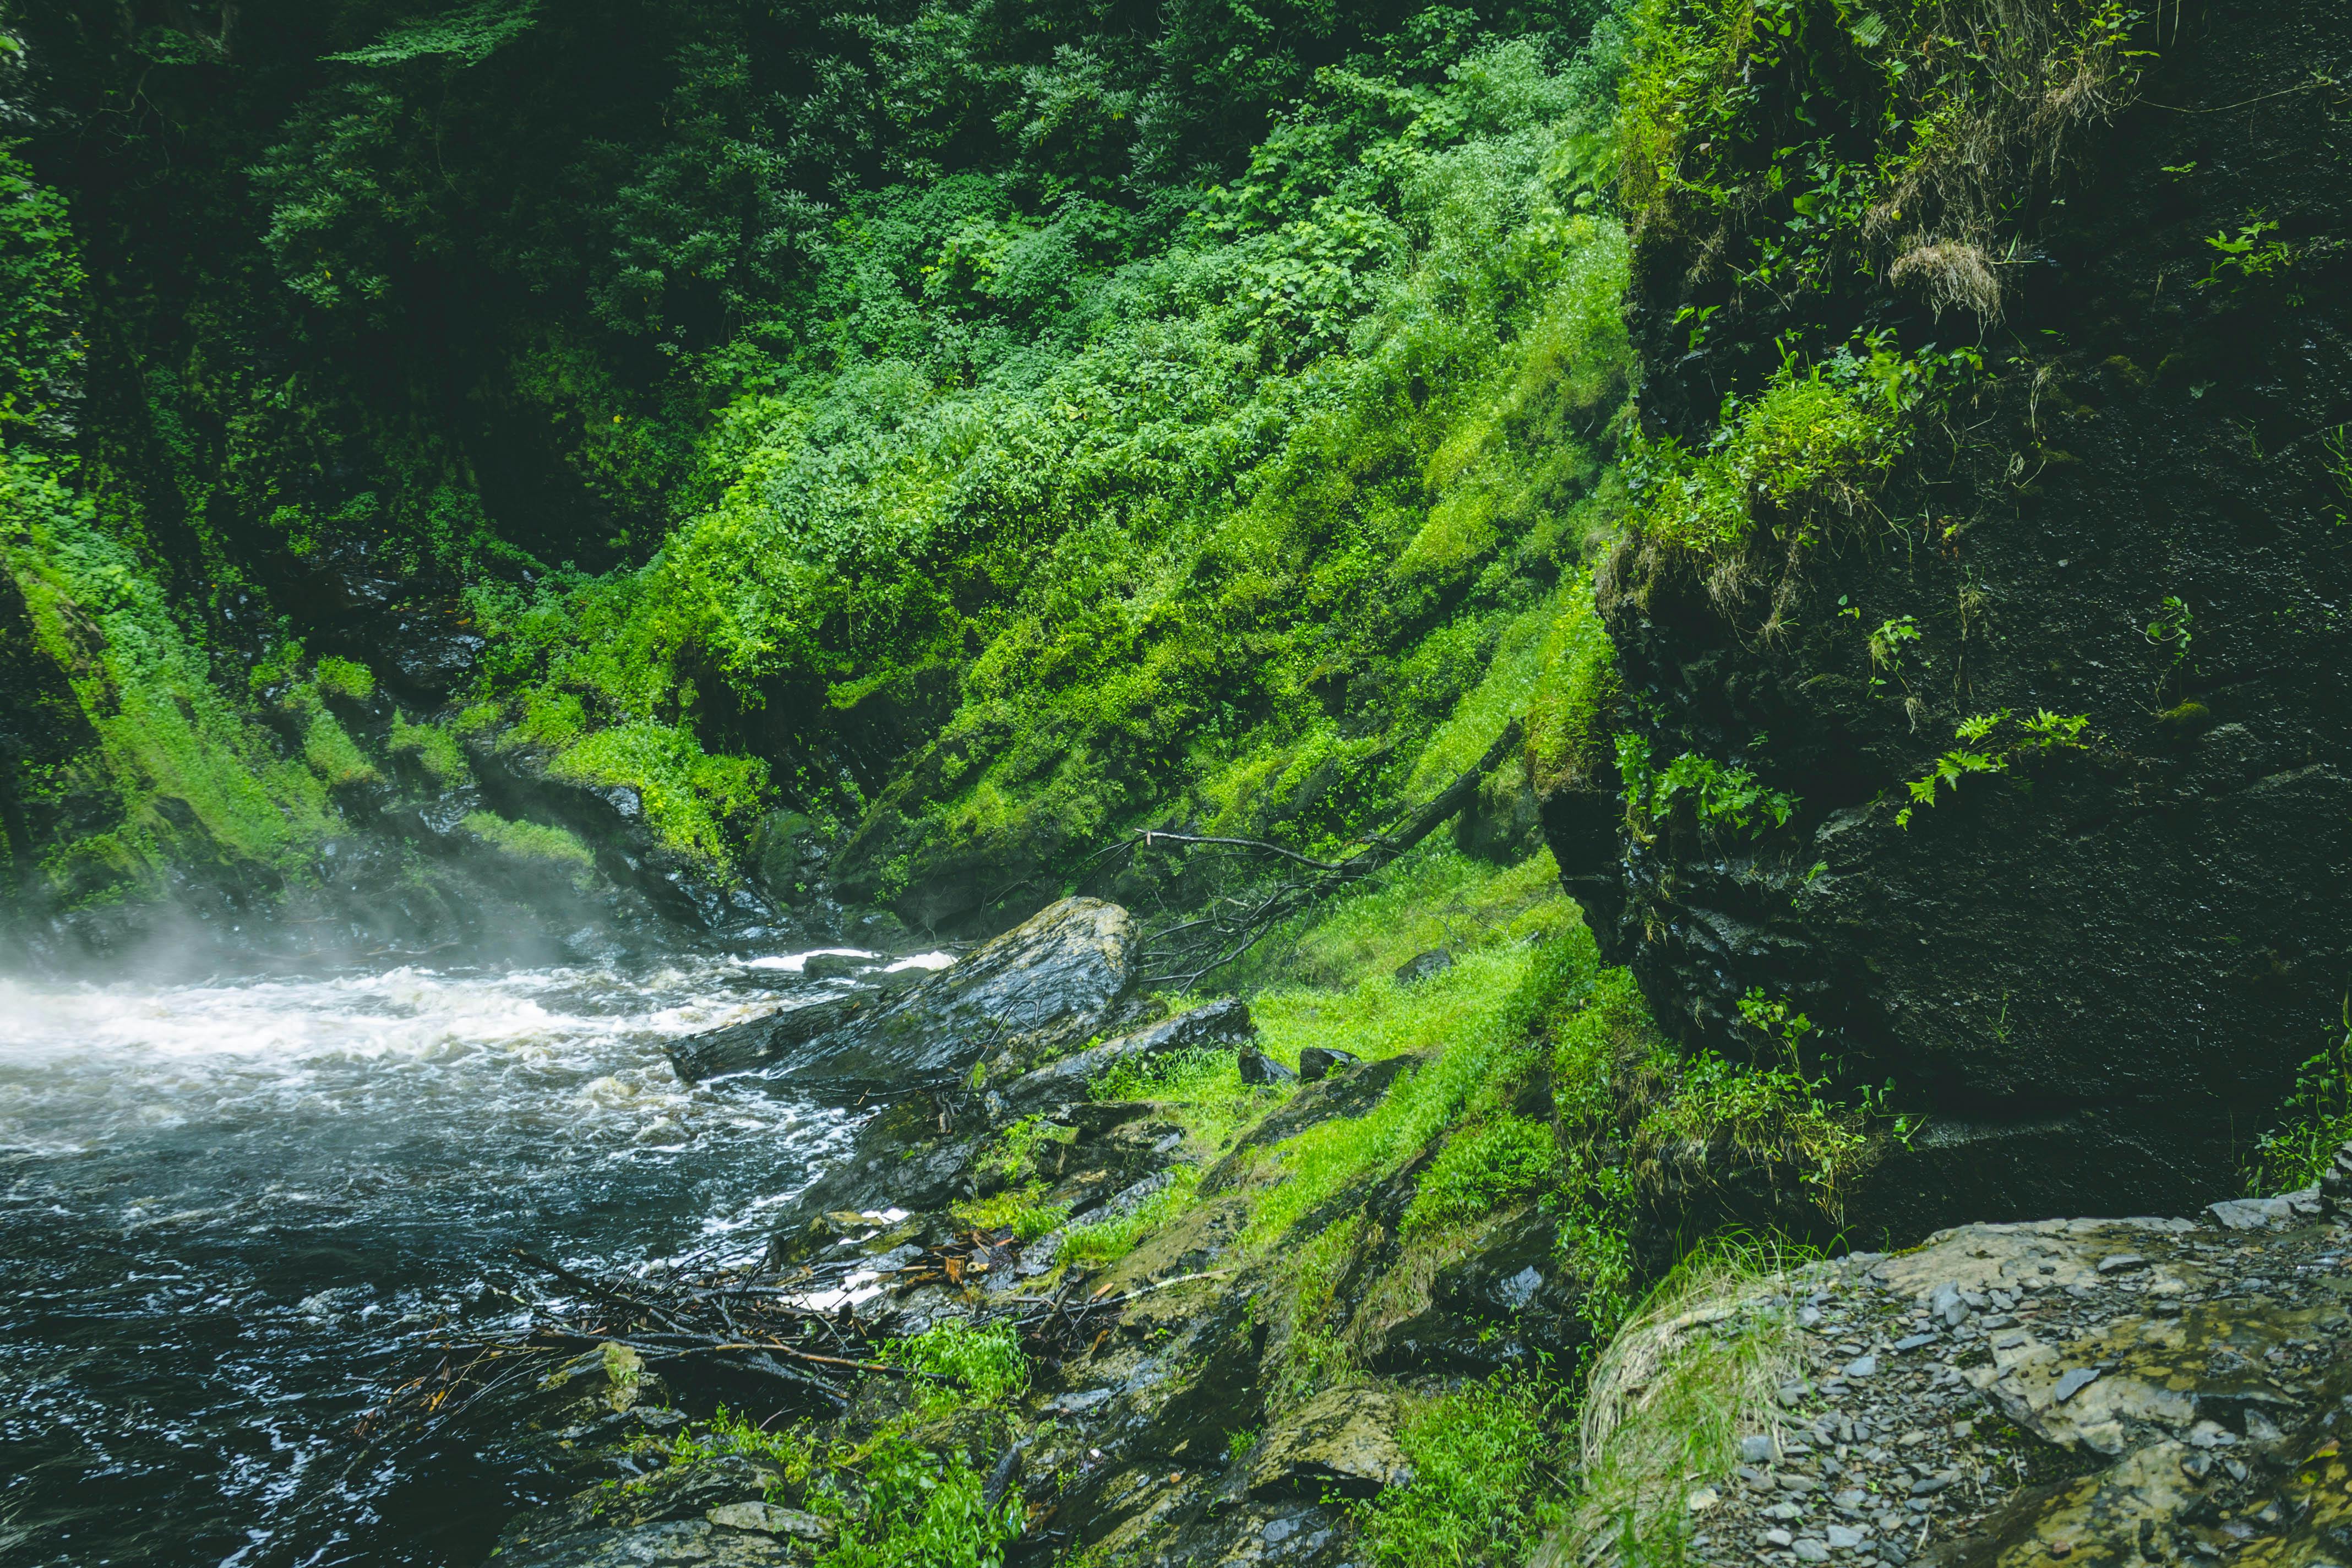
{"x": 691, "y": 798}
{"x": 1016, "y": 1209}
{"x": 1490, "y": 1462}
{"x": 530, "y": 840}
{"x": 1099, "y": 1244}
{"x": 436, "y": 748}
{"x": 345, "y": 678}
{"x": 162, "y": 728}
{"x": 1810, "y": 447}
{"x": 333, "y": 755}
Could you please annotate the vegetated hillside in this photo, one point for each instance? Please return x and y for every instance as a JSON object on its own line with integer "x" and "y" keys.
{"x": 868, "y": 455}
{"x": 1981, "y": 616}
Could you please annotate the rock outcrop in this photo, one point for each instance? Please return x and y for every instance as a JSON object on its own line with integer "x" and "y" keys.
{"x": 1048, "y": 983}
{"x": 2090, "y": 968}
{"x": 2157, "y": 1391}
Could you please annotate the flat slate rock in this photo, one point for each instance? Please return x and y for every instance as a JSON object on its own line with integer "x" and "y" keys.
{"x": 1047, "y": 984}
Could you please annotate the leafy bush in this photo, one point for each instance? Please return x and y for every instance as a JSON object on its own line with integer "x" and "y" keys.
{"x": 922, "y": 1510}
{"x": 986, "y": 1362}
{"x": 1481, "y": 1168}
{"x": 2315, "y": 1121}
{"x": 1490, "y": 1474}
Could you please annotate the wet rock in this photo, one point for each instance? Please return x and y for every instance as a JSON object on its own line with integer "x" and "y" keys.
{"x": 1505, "y": 1302}
{"x": 1064, "y": 1079}
{"x": 740, "y": 1047}
{"x": 665, "y": 1516}
{"x": 1044, "y": 986}
{"x": 697, "y": 1543}
{"x": 1320, "y": 1061}
{"x": 769, "y": 1520}
{"x": 1258, "y": 1068}
{"x": 1342, "y": 1442}
{"x": 1425, "y": 966}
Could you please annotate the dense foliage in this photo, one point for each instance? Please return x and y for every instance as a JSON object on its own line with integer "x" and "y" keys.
{"x": 985, "y": 424}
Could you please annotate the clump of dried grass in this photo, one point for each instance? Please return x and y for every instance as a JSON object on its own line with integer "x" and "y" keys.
{"x": 1950, "y": 274}
{"x": 1696, "y": 1368}
{"x": 2041, "y": 73}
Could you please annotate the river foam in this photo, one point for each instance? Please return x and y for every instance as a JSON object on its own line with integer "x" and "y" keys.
{"x": 231, "y": 1212}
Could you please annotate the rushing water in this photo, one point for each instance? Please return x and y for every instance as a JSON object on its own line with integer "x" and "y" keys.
{"x": 232, "y": 1215}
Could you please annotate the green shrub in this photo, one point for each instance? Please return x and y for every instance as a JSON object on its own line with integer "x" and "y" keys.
{"x": 922, "y": 1510}
{"x": 2315, "y": 1122}
{"x": 1481, "y": 1168}
{"x": 986, "y": 1362}
{"x": 1490, "y": 1475}
{"x": 345, "y": 678}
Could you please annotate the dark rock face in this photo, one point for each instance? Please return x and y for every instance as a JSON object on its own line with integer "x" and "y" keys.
{"x": 1256, "y": 1067}
{"x": 1423, "y": 966}
{"x": 1042, "y": 986}
{"x": 2089, "y": 969}
{"x": 1317, "y": 1062}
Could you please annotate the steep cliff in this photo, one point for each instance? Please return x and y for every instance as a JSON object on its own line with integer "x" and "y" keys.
{"x": 1983, "y": 618}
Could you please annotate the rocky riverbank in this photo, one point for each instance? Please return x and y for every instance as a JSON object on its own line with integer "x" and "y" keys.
{"x": 1202, "y": 1393}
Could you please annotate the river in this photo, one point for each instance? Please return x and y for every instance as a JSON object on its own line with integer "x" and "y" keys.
{"x": 232, "y": 1214}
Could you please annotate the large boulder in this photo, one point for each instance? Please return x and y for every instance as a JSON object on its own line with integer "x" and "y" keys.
{"x": 1047, "y": 985}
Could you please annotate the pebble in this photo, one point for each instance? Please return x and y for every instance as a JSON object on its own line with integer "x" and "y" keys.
{"x": 2073, "y": 1383}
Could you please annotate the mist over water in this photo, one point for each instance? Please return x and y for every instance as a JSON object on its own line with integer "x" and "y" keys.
{"x": 232, "y": 1214}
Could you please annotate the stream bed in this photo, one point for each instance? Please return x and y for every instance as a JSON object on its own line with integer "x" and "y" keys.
{"x": 234, "y": 1214}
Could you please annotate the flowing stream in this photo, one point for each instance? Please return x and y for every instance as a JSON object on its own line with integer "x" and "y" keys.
{"x": 232, "y": 1215}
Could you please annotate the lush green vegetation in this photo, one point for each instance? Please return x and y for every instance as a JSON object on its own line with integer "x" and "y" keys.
{"x": 1490, "y": 1475}
{"x": 2313, "y": 1123}
{"x": 970, "y": 431}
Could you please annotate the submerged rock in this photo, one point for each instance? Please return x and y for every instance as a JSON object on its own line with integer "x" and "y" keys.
{"x": 1047, "y": 984}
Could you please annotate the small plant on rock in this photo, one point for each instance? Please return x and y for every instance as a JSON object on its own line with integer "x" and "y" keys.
{"x": 2316, "y": 1121}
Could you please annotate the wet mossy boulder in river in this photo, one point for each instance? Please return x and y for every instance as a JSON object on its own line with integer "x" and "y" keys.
{"x": 1049, "y": 983}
